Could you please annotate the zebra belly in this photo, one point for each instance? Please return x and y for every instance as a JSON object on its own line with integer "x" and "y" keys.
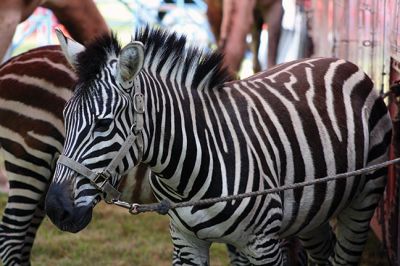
{"x": 238, "y": 226}
{"x": 308, "y": 215}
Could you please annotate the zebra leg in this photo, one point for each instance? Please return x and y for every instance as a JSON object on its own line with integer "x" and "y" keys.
{"x": 319, "y": 244}
{"x": 17, "y": 240}
{"x": 22, "y": 214}
{"x": 294, "y": 252}
{"x": 31, "y": 233}
{"x": 188, "y": 250}
{"x": 236, "y": 258}
{"x": 265, "y": 250}
{"x": 353, "y": 222}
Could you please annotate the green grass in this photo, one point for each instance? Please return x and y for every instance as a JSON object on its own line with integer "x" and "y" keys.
{"x": 114, "y": 237}
{"x": 117, "y": 238}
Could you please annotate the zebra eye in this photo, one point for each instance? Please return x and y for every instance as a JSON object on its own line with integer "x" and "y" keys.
{"x": 102, "y": 125}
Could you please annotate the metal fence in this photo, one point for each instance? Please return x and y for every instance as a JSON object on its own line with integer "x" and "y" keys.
{"x": 357, "y": 31}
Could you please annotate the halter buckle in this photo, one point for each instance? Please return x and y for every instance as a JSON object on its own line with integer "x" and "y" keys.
{"x": 134, "y": 209}
{"x": 95, "y": 182}
{"x": 110, "y": 194}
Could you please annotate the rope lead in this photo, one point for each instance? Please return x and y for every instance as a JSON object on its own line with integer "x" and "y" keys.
{"x": 164, "y": 206}
{"x": 161, "y": 208}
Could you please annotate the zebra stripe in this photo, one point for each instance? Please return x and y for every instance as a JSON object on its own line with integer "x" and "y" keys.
{"x": 34, "y": 87}
{"x": 206, "y": 135}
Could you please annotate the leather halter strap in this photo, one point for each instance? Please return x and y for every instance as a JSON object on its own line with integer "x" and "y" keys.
{"x": 101, "y": 180}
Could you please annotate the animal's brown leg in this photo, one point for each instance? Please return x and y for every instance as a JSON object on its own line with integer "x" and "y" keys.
{"x": 81, "y": 18}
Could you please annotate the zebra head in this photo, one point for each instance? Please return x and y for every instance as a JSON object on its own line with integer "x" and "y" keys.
{"x": 102, "y": 114}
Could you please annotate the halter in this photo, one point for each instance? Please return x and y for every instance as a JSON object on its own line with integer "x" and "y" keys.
{"x": 101, "y": 180}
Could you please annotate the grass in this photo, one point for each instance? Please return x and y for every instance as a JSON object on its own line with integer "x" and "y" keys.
{"x": 117, "y": 238}
{"x": 114, "y": 237}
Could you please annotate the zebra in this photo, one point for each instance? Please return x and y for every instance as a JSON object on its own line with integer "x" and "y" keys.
{"x": 31, "y": 136}
{"x": 203, "y": 134}
{"x": 42, "y": 71}
{"x": 34, "y": 88}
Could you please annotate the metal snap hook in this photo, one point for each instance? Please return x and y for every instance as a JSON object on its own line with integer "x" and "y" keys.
{"x": 134, "y": 209}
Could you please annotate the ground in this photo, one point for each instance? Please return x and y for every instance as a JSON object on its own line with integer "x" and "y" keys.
{"x": 117, "y": 238}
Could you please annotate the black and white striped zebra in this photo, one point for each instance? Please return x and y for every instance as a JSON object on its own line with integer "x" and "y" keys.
{"x": 205, "y": 135}
{"x": 34, "y": 88}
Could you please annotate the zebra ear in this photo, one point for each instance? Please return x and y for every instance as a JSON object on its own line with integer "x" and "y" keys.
{"x": 130, "y": 60}
{"x": 69, "y": 47}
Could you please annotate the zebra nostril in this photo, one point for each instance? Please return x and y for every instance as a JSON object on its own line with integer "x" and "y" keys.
{"x": 57, "y": 212}
{"x": 63, "y": 212}
{"x": 58, "y": 215}
{"x": 58, "y": 205}
{"x": 64, "y": 215}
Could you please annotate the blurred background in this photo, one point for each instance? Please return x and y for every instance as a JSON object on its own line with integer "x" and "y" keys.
{"x": 123, "y": 17}
{"x": 192, "y": 18}
{"x": 363, "y": 31}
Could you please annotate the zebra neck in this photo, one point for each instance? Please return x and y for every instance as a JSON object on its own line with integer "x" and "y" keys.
{"x": 186, "y": 146}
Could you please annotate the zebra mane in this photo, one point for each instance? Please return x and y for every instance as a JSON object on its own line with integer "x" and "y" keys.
{"x": 95, "y": 57}
{"x": 161, "y": 47}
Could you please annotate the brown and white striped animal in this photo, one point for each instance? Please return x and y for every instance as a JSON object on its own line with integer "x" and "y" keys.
{"x": 80, "y": 17}
{"x": 34, "y": 88}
